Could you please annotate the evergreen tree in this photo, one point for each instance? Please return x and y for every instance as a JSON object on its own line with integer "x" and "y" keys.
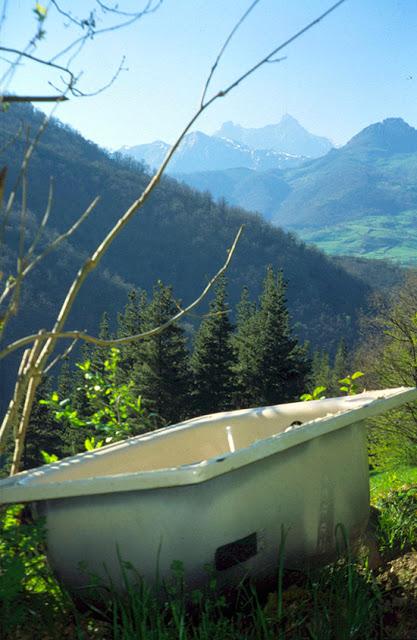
{"x": 214, "y": 359}
{"x": 130, "y": 323}
{"x": 71, "y": 386}
{"x": 320, "y": 370}
{"x": 341, "y": 366}
{"x": 99, "y": 354}
{"x": 245, "y": 344}
{"x": 163, "y": 374}
{"x": 44, "y": 433}
{"x": 65, "y": 381}
{"x": 272, "y": 365}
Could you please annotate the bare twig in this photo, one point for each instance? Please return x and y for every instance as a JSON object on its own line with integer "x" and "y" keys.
{"x": 84, "y": 94}
{"x": 224, "y": 47}
{"x": 90, "y": 26}
{"x": 48, "y": 63}
{"x": 61, "y": 356}
{"x": 43, "y": 223}
{"x": 272, "y": 54}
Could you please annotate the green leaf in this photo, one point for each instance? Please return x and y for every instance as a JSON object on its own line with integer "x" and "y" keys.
{"x": 318, "y": 390}
{"x": 48, "y": 457}
{"x": 357, "y": 374}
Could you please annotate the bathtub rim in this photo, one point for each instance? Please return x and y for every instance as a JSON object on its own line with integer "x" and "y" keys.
{"x": 18, "y": 488}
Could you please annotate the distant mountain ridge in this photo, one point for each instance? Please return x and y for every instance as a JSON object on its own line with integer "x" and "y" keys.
{"x": 359, "y": 199}
{"x": 200, "y": 152}
{"x": 287, "y": 136}
{"x": 392, "y": 135}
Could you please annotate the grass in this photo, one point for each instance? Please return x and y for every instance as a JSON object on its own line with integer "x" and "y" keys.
{"x": 371, "y": 236}
{"x": 344, "y": 600}
{"x": 393, "y": 479}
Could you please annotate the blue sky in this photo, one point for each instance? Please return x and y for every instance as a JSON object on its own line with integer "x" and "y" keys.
{"x": 356, "y": 67}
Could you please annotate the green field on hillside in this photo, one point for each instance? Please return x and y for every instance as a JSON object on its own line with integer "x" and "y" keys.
{"x": 392, "y": 237}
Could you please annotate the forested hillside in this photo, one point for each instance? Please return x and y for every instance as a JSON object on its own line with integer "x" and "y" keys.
{"x": 180, "y": 237}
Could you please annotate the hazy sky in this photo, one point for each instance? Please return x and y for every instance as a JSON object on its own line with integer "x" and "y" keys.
{"x": 356, "y": 67}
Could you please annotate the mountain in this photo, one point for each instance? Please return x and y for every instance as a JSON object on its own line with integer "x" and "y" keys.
{"x": 288, "y": 136}
{"x": 360, "y": 199}
{"x": 391, "y": 136}
{"x": 200, "y": 152}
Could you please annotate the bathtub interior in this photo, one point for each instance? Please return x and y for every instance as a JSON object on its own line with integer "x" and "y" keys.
{"x": 190, "y": 442}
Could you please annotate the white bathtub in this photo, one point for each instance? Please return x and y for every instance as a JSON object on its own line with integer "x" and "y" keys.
{"x": 216, "y": 490}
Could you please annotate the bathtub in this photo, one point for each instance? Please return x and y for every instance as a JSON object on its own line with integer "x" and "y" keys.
{"x": 218, "y": 491}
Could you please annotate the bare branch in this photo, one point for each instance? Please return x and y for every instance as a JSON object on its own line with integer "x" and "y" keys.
{"x": 34, "y": 379}
{"x": 83, "y": 94}
{"x": 224, "y": 47}
{"x": 47, "y": 63}
{"x": 116, "y": 10}
{"x": 61, "y": 356}
{"x": 274, "y": 60}
{"x": 11, "y": 98}
{"x": 14, "y": 404}
{"x": 90, "y": 25}
{"x": 44, "y": 221}
{"x": 222, "y": 93}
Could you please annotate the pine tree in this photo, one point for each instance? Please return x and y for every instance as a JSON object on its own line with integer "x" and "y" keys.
{"x": 163, "y": 375}
{"x": 213, "y": 360}
{"x": 71, "y": 386}
{"x": 245, "y": 344}
{"x": 44, "y": 433}
{"x": 272, "y": 365}
{"x": 320, "y": 370}
{"x": 99, "y": 354}
{"x": 341, "y": 366}
{"x": 130, "y": 323}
